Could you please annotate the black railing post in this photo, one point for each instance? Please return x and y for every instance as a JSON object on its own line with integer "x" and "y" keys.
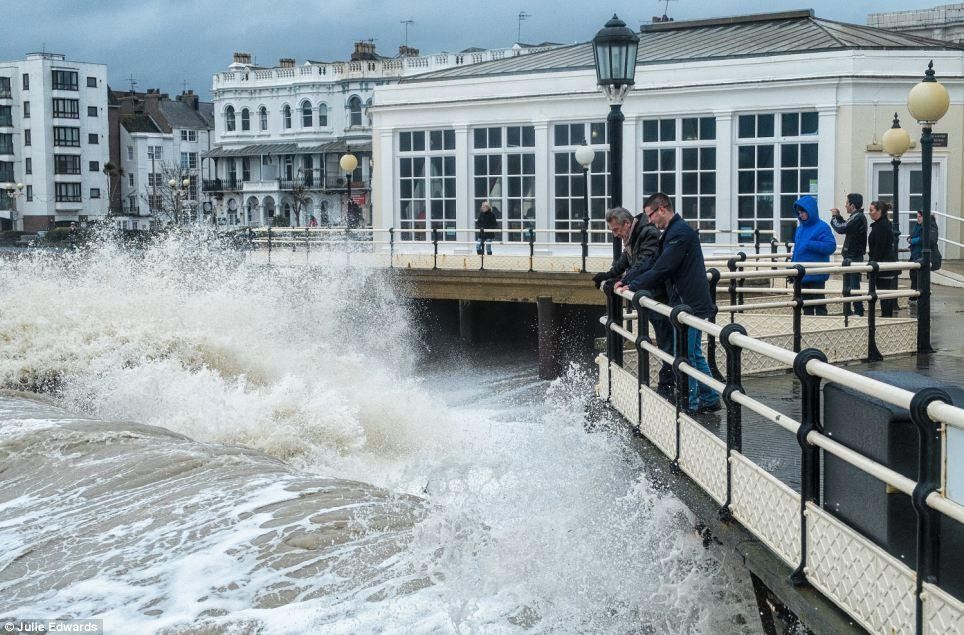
{"x": 810, "y": 454}
{"x": 391, "y": 247}
{"x": 611, "y": 341}
{"x": 618, "y": 319}
{"x": 642, "y": 354}
{"x": 756, "y": 240}
{"x": 532, "y": 250}
{"x": 741, "y": 257}
{"x": 731, "y": 267}
{"x": 928, "y": 482}
{"x": 873, "y": 353}
{"x": 482, "y": 247}
{"x": 434, "y": 247}
{"x": 585, "y": 242}
{"x": 774, "y": 248}
{"x": 734, "y": 411}
{"x": 682, "y": 379}
{"x": 269, "y": 244}
{"x": 710, "y": 340}
{"x": 798, "y": 307}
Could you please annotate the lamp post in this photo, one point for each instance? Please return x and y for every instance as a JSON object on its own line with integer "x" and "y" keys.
{"x": 179, "y": 190}
{"x": 614, "y": 51}
{"x": 13, "y": 190}
{"x": 927, "y": 102}
{"x": 348, "y": 163}
{"x": 584, "y": 157}
{"x": 896, "y": 142}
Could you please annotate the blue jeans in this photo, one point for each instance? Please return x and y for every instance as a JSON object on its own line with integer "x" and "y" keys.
{"x": 699, "y": 394}
{"x": 488, "y": 246}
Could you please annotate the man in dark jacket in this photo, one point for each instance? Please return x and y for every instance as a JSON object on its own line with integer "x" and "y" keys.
{"x": 487, "y": 222}
{"x": 639, "y": 238}
{"x": 812, "y": 242}
{"x": 678, "y": 265}
{"x": 855, "y": 243}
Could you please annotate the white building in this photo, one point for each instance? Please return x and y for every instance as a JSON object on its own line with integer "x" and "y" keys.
{"x": 161, "y": 139}
{"x": 943, "y": 22}
{"x": 735, "y": 118}
{"x": 279, "y": 132}
{"x": 53, "y": 139}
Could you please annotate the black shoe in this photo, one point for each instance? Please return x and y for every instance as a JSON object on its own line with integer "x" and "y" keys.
{"x": 706, "y": 409}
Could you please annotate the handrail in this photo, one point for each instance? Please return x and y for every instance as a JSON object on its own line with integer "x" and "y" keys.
{"x": 930, "y": 410}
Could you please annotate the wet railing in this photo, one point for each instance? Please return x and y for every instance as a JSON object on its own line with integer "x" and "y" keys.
{"x": 878, "y": 590}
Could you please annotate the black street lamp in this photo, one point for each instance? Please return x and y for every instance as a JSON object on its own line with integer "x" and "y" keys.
{"x": 896, "y": 142}
{"x": 348, "y": 163}
{"x": 13, "y": 190}
{"x": 614, "y": 51}
{"x": 927, "y": 102}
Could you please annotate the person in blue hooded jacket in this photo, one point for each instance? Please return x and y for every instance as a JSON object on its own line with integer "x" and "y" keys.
{"x": 813, "y": 242}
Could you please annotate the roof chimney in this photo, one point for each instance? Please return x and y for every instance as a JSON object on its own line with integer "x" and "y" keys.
{"x": 407, "y": 51}
{"x": 364, "y": 50}
{"x": 286, "y": 62}
{"x": 242, "y": 58}
{"x": 189, "y": 99}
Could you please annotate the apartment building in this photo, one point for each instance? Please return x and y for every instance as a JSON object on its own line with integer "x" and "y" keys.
{"x": 54, "y": 140}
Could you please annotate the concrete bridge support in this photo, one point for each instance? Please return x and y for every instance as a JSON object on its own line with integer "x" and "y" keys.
{"x": 549, "y": 344}
{"x": 468, "y": 319}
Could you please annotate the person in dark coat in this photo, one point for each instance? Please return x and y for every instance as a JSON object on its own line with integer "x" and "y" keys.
{"x": 488, "y": 222}
{"x": 678, "y": 267}
{"x": 855, "y": 243}
{"x": 812, "y": 242}
{"x": 916, "y": 242}
{"x": 880, "y": 248}
{"x": 639, "y": 238}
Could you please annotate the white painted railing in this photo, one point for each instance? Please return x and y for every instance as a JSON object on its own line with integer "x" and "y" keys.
{"x": 878, "y": 590}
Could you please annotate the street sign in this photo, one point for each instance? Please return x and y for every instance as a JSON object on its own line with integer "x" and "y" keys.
{"x": 940, "y": 139}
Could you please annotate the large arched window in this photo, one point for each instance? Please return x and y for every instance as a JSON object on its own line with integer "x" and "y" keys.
{"x": 263, "y": 117}
{"x": 245, "y": 119}
{"x": 306, "y": 114}
{"x": 322, "y": 115}
{"x": 229, "y": 118}
{"x": 354, "y": 111}
{"x": 286, "y": 116}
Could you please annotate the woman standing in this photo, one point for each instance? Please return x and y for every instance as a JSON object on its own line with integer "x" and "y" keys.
{"x": 880, "y": 243}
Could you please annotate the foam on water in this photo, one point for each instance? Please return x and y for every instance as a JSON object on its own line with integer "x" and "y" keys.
{"x": 483, "y": 504}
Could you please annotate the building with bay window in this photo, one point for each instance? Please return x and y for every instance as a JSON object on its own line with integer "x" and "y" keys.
{"x": 735, "y": 118}
{"x": 280, "y": 132}
{"x": 54, "y": 140}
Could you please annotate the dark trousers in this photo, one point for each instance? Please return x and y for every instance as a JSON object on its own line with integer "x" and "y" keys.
{"x": 817, "y": 309}
{"x": 664, "y": 340}
{"x": 851, "y": 281}
{"x": 887, "y": 306}
{"x": 913, "y": 280}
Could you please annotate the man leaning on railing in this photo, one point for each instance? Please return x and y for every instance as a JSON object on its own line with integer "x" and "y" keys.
{"x": 678, "y": 265}
{"x": 640, "y": 239}
{"x": 855, "y": 243}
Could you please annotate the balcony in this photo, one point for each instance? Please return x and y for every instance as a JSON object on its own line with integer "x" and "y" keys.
{"x": 5, "y": 93}
{"x": 221, "y": 185}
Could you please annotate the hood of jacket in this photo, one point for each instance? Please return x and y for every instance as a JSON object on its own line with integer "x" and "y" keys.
{"x": 807, "y": 204}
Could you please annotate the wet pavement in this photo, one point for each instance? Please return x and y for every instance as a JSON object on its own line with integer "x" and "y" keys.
{"x": 776, "y": 449}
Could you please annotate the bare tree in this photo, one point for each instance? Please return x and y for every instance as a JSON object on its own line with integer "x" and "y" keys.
{"x": 300, "y": 200}
{"x": 166, "y": 203}
{"x": 115, "y": 175}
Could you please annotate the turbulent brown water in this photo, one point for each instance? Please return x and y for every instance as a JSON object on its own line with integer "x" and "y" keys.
{"x": 210, "y": 445}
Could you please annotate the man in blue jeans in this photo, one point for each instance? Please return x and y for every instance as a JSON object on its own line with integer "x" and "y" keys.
{"x": 855, "y": 243}
{"x": 678, "y": 266}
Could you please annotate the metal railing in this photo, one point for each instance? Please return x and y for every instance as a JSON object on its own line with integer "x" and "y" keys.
{"x": 724, "y": 472}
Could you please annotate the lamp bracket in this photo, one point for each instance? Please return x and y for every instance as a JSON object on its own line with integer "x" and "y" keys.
{"x": 615, "y": 94}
